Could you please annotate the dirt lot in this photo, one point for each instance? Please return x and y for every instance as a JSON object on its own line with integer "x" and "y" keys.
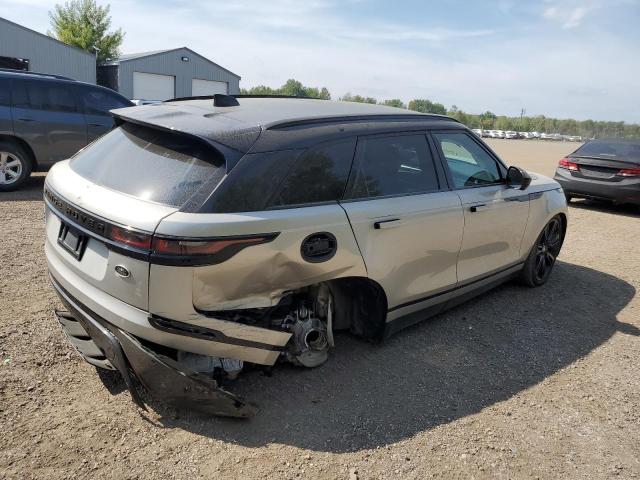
{"x": 520, "y": 383}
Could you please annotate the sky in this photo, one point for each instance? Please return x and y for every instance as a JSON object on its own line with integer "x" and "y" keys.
{"x": 560, "y": 58}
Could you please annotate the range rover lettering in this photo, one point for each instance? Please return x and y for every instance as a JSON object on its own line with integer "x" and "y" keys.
{"x": 203, "y": 235}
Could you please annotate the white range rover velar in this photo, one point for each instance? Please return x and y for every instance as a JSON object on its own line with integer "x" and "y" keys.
{"x": 203, "y": 235}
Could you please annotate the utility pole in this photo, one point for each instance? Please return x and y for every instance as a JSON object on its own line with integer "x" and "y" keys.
{"x": 522, "y": 112}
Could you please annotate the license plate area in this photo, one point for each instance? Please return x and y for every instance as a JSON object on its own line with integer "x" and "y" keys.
{"x": 598, "y": 172}
{"x": 72, "y": 240}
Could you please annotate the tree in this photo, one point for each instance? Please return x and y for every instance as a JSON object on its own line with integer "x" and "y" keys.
{"x": 347, "y": 97}
{"x": 427, "y": 106}
{"x": 394, "y": 102}
{"x": 292, "y": 88}
{"x": 85, "y": 24}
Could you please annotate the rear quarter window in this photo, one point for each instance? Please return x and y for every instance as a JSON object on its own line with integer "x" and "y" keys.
{"x": 149, "y": 164}
{"x": 319, "y": 176}
{"x": 286, "y": 178}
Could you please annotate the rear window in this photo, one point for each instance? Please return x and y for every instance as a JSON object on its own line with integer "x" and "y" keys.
{"x": 613, "y": 150}
{"x": 149, "y": 164}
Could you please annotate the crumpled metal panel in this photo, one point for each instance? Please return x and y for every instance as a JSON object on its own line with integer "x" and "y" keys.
{"x": 165, "y": 379}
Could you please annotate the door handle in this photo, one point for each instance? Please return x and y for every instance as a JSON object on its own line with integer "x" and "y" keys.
{"x": 26, "y": 119}
{"x": 97, "y": 125}
{"x": 476, "y": 208}
{"x": 392, "y": 222}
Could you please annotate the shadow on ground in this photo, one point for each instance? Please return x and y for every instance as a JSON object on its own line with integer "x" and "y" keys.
{"x": 451, "y": 366}
{"x": 30, "y": 190}
{"x": 625, "y": 210}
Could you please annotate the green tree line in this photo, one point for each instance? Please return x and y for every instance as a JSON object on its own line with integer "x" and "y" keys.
{"x": 486, "y": 120}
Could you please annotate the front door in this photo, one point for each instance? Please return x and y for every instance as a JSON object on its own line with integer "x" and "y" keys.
{"x": 407, "y": 229}
{"x": 495, "y": 216}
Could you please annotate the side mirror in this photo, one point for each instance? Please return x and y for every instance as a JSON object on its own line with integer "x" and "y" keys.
{"x": 518, "y": 178}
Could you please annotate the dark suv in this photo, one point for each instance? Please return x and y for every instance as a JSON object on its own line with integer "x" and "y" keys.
{"x": 47, "y": 118}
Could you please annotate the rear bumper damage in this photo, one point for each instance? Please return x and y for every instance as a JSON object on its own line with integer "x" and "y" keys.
{"x": 107, "y": 346}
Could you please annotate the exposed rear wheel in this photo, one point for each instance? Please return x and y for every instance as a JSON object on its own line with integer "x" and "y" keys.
{"x": 15, "y": 166}
{"x": 542, "y": 257}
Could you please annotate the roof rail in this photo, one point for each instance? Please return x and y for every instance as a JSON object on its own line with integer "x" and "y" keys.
{"x": 37, "y": 74}
{"x": 278, "y": 96}
{"x": 409, "y": 117}
{"x": 212, "y": 97}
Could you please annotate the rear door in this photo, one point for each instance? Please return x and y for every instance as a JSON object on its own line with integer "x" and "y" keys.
{"x": 408, "y": 227}
{"x": 47, "y": 115}
{"x": 96, "y": 104}
{"x": 495, "y": 216}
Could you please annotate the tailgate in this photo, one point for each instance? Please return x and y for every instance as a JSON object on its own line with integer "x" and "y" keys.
{"x": 77, "y": 215}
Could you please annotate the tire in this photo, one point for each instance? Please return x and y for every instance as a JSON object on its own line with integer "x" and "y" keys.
{"x": 15, "y": 166}
{"x": 568, "y": 197}
{"x": 542, "y": 258}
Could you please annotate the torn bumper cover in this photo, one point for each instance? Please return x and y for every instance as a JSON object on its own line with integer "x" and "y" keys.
{"x": 107, "y": 346}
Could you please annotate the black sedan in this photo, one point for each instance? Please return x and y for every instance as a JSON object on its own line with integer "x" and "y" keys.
{"x": 602, "y": 169}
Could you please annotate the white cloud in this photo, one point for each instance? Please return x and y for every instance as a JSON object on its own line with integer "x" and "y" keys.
{"x": 570, "y": 13}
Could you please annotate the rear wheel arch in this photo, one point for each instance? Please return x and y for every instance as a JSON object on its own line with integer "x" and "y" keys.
{"x": 25, "y": 146}
{"x": 360, "y": 306}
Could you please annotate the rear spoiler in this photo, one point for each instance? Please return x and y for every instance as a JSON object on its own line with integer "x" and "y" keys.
{"x": 216, "y": 131}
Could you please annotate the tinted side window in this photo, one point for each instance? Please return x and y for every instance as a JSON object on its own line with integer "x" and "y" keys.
{"x": 252, "y": 182}
{"x": 44, "y": 96}
{"x": 19, "y": 96}
{"x": 470, "y": 165}
{"x": 319, "y": 175}
{"x": 394, "y": 165}
{"x": 99, "y": 102}
{"x": 5, "y": 92}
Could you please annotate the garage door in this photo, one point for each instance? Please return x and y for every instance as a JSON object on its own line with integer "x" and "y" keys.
{"x": 151, "y": 86}
{"x": 207, "y": 87}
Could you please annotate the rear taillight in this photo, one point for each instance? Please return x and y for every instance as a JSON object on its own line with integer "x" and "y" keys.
{"x": 568, "y": 164}
{"x": 209, "y": 251}
{"x": 130, "y": 238}
{"x": 629, "y": 172}
{"x": 166, "y": 246}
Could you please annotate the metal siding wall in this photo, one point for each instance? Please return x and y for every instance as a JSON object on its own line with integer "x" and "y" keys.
{"x": 170, "y": 64}
{"x": 46, "y": 54}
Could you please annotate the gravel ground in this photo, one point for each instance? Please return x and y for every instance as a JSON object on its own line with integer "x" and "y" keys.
{"x": 520, "y": 383}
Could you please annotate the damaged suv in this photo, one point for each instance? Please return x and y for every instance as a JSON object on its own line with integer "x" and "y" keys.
{"x": 205, "y": 234}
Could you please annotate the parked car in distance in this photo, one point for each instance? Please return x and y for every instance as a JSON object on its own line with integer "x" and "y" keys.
{"x": 602, "y": 169}
{"x": 477, "y": 131}
{"x": 534, "y": 134}
{"x": 47, "y": 118}
{"x": 254, "y": 229}
{"x": 546, "y": 136}
{"x": 497, "y": 134}
{"x": 511, "y": 135}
